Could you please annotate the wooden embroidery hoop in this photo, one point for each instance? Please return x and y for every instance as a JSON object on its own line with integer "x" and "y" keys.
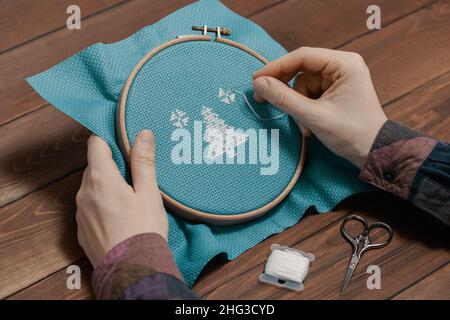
{"x": 173, "y": 205}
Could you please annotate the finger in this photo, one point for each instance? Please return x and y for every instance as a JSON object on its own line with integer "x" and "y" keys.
{"x": 143, "y": 162}
{"x": 327, "y": 63}
{"x": 285, "y": 79}
{"x": 303, "y": 90}
{"x": 311, "y": 83}
{"x": 99, "y": 154}
{"x": 325, "y": 84}
{"x": 286, "y": 98}
{"x": 311, "y": 60}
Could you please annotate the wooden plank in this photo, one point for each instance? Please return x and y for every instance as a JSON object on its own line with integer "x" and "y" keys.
{"x": 18, "y": 98}
{"x": 434, "y": 287}
{"x": 328, "y": 23}
{"x": 37, "y": 149}
{"x": 411, "y": 255}
{"x": 408, "y": 53}
{"x": 250, "y": 7}
{"x": 426, "y": 109}
{"x": 38, "y": 235}
{"x": 23, "y": 20}
{"x": 54, "y": 287}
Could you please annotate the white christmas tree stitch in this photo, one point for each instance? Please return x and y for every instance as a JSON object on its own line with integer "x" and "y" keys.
{"x": 218, "y": 135}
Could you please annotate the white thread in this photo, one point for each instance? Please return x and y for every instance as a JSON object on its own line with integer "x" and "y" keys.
{"x": 287, "y": 265}
{"x": 226, "y": 96}
{"x": 254, "y": 111}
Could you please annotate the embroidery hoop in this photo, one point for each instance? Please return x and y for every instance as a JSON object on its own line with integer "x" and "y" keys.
{"x": 172, "y": 204}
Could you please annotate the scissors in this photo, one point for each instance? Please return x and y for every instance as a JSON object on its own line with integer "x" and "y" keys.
{"x": 361, "y": 243}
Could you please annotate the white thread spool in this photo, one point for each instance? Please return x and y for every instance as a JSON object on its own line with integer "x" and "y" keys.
{"x": 286, "y": 267}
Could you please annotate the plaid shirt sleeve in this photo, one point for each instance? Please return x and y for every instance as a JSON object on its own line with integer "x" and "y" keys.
{"x": 140, "y": 268}
{"x": 413, "y": 167}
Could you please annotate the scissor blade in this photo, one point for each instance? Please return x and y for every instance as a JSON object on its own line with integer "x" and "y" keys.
{"x": 348, "y": 275}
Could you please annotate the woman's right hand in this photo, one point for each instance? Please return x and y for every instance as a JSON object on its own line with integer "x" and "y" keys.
{"x": 334, "y": 98}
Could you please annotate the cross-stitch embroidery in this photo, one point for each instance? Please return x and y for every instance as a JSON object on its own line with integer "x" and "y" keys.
{"x": 256, "y": 146}
{"x": 179, "y": 119}
{"x": 216, "y": 130}
{"x": 227, "y": 97}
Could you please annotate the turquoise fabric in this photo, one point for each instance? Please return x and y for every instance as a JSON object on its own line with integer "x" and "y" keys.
{"x": 88, "y": 85}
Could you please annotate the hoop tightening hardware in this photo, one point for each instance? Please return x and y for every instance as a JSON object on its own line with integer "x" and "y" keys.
{"x": 219, "y": 31}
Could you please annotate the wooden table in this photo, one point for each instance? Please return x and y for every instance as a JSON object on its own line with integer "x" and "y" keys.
{"x": 43, "y": 152}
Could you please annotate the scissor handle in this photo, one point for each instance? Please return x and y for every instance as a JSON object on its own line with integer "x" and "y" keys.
{"x": 344, "y": 232}
{"x": 378, "y": 245}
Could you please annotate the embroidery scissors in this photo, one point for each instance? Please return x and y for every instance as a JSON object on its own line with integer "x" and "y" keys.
{"x": 362, "y": 243}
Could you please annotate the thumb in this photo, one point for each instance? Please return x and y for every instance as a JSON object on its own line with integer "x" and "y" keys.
{"x": 285, "y": 98}
{"x": 143, "y": 162}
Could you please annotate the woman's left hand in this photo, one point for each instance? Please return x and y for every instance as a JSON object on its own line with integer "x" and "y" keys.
{"x": 109, "y": 210}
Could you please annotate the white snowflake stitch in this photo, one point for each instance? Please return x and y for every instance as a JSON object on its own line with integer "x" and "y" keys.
{"x": 221, "y": 92}
{"x": 179, "y": 119}
{"x": 227, "y": 97}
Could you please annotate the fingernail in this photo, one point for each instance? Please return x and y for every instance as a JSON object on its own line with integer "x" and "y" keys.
{"x": 260, "y": 84}
{"x": 146, "y": 136}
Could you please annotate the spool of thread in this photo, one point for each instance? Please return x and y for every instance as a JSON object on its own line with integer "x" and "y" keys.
{"x": 286, "y": 267}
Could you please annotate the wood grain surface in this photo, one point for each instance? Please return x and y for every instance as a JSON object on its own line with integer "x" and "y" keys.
{"x": 43, "y": 151}
{"x": 23, "y": 20}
